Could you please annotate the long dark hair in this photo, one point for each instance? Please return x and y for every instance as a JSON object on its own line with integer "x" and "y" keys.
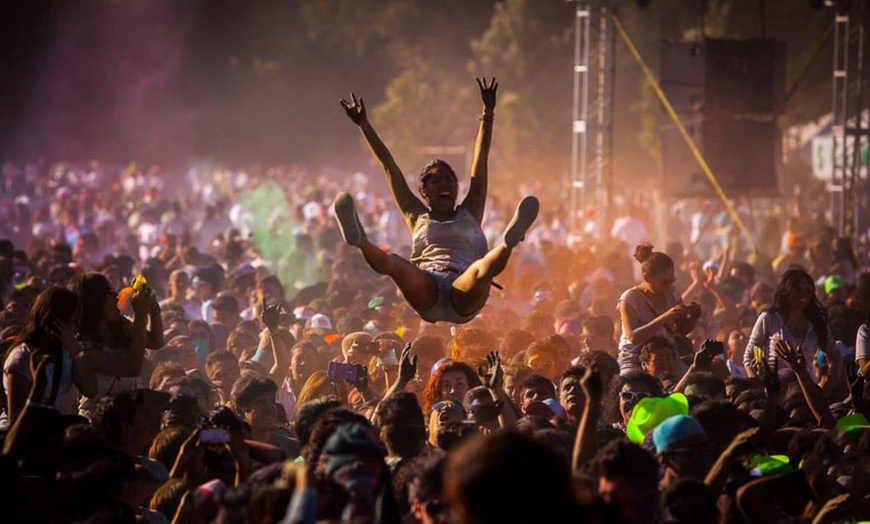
{"x": 53, "y": 304}
{"x": 92, "y": 288}
{"x": 814, "y": 310}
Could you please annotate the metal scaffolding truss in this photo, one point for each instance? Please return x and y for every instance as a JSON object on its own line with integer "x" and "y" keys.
{"x": 849, "y": 128}
{"x": 593, "y": 110}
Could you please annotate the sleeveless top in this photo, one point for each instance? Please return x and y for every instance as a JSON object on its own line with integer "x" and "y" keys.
{"x": 633, "y": 298}
{"x": 448, "y": 246}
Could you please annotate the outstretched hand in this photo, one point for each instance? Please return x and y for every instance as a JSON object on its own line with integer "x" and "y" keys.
{"x": 592, "y": 384}
{"x": 356, "y": 109}
{"x": 270, "y": 315}
{"x": 487, "y": 93}
{"x": 793, "y": 358}
{"x": 492, "y": 376}
{"x": 407, "y": 365}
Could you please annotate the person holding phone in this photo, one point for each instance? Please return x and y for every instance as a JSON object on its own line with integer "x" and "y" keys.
{"x": 651, "y": 309}
{"x": 451, "y": 269}
{"x": 797, "y": 317}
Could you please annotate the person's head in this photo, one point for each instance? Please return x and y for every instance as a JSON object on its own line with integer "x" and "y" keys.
{"x": 735, "y": 340}
{"x": 166, "y": 445}
{"x": 358, "y": 347}
{"x": 705, "y": 386}
{"x": 54, "y": 305}
{"x": 514, "y": 341}
{"x": 547, "y": 357}
{"x": 253, "y": 398}
{"x": 401, "y": 425}
{"x": 571, "y": 394}
{"x": 200, "y": 336}
{"x": 508, "y": 477}
{"x": 480, "y": 407}
{"x": 179, "y": 282}
{"x": 608, "y": 367}
{"x": 222, "y": 369}
{"x": 439, "y": 186}
{"x": 682, "y": 448}
{"x": 270, "y": 289}
{"x": 226, "y": 310}
{"x": 187, "y": 356}
{"x": 536, "y": 388}
{"x": 657, "y": 268}
{"x": 309, "y": 413}
{"x": 442, "y": 414}
{"x": 451, "y": 381}
{"x": 597, "y": 333}
{"x": 689, "y": 500}
{"x": 627, "y": 390}
{"x": 304, "y": 360}
{"x": 657, "y": 357}
{"x": 163, "y": 373}
{"x": 130, "y": 420}
{"x": 99, "y": 302}
{"x": 242, "y": 343}
{"x": 796, "y": 291}
{"x": 628, "y": 479}
{"x": 426, "y": 489}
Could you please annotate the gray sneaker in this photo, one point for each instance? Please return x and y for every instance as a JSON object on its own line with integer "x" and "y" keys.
{"x": 348, "y": 222}
{"x": 524, "y": 217}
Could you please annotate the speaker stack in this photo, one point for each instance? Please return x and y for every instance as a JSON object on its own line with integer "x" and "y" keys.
{"x": 728, "y": 94}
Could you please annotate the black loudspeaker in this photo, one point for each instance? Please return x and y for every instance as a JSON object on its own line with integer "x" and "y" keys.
{"x": 724, "y": 76}
{"x": 743, "y": 155}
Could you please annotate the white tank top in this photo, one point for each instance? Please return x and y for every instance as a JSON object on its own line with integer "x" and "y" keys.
{"x": 447, "y": 246}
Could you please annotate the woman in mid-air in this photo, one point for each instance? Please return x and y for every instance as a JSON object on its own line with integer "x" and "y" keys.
{"x": 451, "y": 267}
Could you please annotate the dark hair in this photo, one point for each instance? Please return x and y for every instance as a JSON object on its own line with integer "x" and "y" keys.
{"x": 402, "y": 424}
{"x": 621, "y": 458}
{"x": 248, "y": 387}
{"x": 436, "y": 163}
{"x": 709, "y": 385}
{"x": 654, "y": 343}
{"x": 432, "y": 392}
{"x": 53, "y": 304}
{"x": 113, "y": 412}
{"x": 309, "y": 413}
{"x": 534, "y": 380}
{"x": 573, "y": 371}
{"x": 689, "y": 500}
{"x": 220, "y": 356}
{"x": 93, "y": 288}
{"x": 814, "y": 310}
{"x": 166, "y": 445}
{"x": 652, "y": 262}
{"x": 599, "y": 324}
{"x": 633, "y": 378}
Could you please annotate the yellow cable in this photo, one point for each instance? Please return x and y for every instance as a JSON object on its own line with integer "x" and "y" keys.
{"x": 688, "y": 139}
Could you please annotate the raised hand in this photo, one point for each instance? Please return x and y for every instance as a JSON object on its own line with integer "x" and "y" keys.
{"x": 407, "y": 365}
{"x": 794, "y": 359}
{"x": 356, "y": 109}
{"x": 142, "y": 301}
{"x": 744, "y": 441}
{"x": 769, "y": 376}
{"x": 271, "y": 314}
{"x": 487, "y": 93}
{"x": 493, "y": 376}
{"x": 704, "y": 357}
{"x": 591, "y": 383}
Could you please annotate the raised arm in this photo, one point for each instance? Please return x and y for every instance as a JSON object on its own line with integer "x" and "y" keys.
{"x": 408, "y": 203}
{"x": 476, "y": 199}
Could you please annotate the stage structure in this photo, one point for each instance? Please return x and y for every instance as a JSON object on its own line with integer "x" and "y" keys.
{"x": 592, "y": 124}
{"x": 851, "y": 135}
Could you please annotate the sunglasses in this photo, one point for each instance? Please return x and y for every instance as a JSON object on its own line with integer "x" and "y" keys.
{"x": 453, "y": 406}
{"x": 631, "y": 396}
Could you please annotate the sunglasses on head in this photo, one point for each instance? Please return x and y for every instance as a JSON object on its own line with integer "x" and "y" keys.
{"x": 631, "y": 396}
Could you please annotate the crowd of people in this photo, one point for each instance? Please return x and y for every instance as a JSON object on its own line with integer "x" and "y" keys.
{"x": 161, "y": 365}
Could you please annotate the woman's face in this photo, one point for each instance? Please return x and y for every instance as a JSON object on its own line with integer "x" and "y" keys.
{"x": 736, "y": 344}
{"x": 440, "y": 189}
{"x": 453, "y": 385}
{"x": 661, "y": 281}
{"x": 800, "y": 293}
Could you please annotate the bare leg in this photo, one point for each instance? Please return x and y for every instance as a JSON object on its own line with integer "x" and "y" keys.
{"x": 471, "y": 289}
{"x": 417, "y": 286}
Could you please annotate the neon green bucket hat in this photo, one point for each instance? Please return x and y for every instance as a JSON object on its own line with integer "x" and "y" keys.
{"x": 650, "y": 412}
